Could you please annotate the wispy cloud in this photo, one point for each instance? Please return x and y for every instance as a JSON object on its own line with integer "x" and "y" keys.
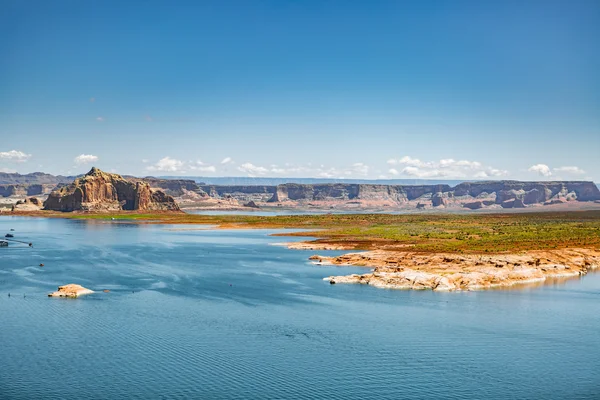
{"x": 168, "y": 164}
{"x": 100, "y": 119}
{"x": 573, "y": 170}
{"x": 14, "y": 156}
{"x": 226, "y": 160}
{"x": 307, "y": 170}
{"x": 85, "y": 159}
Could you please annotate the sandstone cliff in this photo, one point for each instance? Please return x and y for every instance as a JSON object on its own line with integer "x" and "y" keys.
{"x": 99, "y": 191}
{"x": 472, "y": 195}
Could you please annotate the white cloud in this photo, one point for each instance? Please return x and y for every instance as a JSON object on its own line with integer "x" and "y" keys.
{"x": 252, "y": 170}
{"x": 85, "y": 159}
{"x": 145, "y": 161}
{"x": 8, "y": 170}
{"x": 444, "y": 168}
{"x": 167, "y": 164}
{"x": 226, "y": 160}
{"x": 570, "y": 170}
{"x": 14, "y": 156}
{"x": 100, "y": 119}
{"x": 541, "y": 169}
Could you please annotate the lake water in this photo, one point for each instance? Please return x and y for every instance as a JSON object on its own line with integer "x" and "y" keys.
{"x": 196, "y": 313}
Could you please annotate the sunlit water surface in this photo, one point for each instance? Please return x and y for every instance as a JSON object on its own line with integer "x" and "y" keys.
{"x": 196, "y": 313}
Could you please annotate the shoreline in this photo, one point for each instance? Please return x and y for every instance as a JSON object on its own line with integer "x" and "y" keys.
{"x": 441, "y": 253}
{"x": 451, "y": 272}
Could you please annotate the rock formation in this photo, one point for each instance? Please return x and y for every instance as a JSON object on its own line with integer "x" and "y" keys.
{"x": 100, "y": 191}
{"x": 449, "y": 272}
{"x": 29, "y": 204}
{"x": 251, "y": 204}
{"x": 71, "y": 290}
{"x": 472, "y": 195}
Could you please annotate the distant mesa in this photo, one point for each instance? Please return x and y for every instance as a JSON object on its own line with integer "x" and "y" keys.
{"x": 101, "y": 191}
{"x": 98, "y": 191}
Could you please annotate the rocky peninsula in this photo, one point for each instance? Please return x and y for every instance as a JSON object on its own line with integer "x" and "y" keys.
{"x": 453, "y": 272}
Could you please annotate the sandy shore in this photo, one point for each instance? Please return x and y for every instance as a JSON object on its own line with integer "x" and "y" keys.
{"x": 450, "y": 272}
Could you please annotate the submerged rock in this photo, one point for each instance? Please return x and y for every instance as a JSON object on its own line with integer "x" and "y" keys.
{"x": 70, "y": 290}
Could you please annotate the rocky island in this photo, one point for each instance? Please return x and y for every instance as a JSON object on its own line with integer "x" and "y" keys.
{"x": 71, "y": 290}
{"x": 101, "y": 191}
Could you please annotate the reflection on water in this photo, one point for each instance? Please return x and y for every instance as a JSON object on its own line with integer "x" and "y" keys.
{"x": 195, "y": 313}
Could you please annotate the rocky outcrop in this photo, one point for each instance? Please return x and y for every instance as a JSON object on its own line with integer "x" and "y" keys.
{"x": 251, "y": 204}
{"x": 100, "y": 191}
{"x": 439, "y": 199}
{"x": 450, "y": 272}
{"x": 71, "y": 290}
{"x": 29, "y": 204}
{"x": 475, "y": 205}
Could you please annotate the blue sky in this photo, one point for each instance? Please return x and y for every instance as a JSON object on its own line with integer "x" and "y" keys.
{"x": 356, "y": 89}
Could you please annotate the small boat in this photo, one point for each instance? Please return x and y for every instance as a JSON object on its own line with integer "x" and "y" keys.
{"x": 9, "y": 235}
{"x": 3, "y": 243}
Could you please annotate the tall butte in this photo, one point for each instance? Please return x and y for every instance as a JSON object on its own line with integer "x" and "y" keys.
{"x": 101, "y": 191}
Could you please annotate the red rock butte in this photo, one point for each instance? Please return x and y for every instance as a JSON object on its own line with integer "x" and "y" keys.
{"x": 101, "y": 191}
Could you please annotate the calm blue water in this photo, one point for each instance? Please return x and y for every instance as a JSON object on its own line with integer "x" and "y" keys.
{"x": 224, "y": 315}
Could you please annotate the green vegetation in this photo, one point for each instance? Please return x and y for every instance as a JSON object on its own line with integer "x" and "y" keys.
{"x": 472, "y": 233}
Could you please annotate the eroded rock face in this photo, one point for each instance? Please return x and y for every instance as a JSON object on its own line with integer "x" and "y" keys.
{"x": 439, "y": 199}
{"x": 98, "y": 190}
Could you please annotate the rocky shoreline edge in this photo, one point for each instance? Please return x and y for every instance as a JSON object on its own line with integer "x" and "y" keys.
{"x": 458, "y": 272}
